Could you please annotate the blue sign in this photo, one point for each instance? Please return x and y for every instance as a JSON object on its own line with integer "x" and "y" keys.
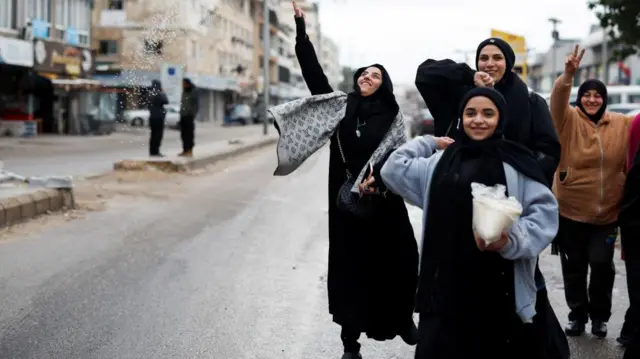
{"x": 39, "y": 29}
{"x": 71, "y": 36}
{"x": 171, "y": 71}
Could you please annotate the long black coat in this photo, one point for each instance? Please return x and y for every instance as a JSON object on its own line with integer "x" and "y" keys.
{"x": 373, "y": 263}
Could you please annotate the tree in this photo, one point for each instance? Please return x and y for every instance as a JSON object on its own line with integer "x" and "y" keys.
{"x": 622, "y": 19}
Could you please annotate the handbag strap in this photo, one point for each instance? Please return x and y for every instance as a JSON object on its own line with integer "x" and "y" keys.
{"x": 344, "y": 159}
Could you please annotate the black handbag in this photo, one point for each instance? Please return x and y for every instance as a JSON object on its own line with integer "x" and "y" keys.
{"x": 361, "y": 205}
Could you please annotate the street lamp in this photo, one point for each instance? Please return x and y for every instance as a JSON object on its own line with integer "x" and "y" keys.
{"x": 265, "y": 59}
{"x": 556, "y": 36}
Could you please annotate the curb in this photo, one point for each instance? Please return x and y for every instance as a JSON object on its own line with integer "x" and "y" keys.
{"x": 190, "y": 164}
{"x": 21, "y": 208}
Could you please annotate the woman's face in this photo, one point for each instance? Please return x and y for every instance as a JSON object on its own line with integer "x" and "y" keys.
{"x": 492, "y": 61}
{"x": 480, "y": 118}
{"x": 369, "y": 81}
{"x": 591, "y": 102}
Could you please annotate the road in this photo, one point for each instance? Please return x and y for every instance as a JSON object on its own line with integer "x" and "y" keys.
{"x": 225, "y": 264}
{"x": 76, "y": 156}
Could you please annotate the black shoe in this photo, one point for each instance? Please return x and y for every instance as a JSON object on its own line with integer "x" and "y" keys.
{"x": 575, "y": 328}
{"x": 352, "y": 356}
{"x": 156, "y": 155}
{"x": 410, "y": 334}
{"x": 624, "y": 340}
{"x": 599, "y": 328}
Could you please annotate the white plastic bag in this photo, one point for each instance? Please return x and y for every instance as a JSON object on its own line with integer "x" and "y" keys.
{"x": 493, "y": 212}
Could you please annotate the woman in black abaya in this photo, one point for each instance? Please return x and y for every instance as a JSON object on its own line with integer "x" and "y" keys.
{"x": 443, "y": 83}
{"x": 475, "y": 301}
{"x": 373, "y": 262}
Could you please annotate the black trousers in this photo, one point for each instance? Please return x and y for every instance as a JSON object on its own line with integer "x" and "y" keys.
{"x": 350, "y": 340}
{"x": 632, "y": 265}
{"x": 155, "y": 137}
{"x": 187, "y": 132}
{"x": 583, "y": 246}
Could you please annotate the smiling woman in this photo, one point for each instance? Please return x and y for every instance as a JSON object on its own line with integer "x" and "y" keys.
{"x": 594, "y": 144}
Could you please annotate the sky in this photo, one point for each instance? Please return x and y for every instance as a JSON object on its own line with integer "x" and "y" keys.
{"x": 401, "y": 34}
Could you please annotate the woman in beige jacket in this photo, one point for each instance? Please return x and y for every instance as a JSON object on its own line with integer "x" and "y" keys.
{"x": 588, "y": 185}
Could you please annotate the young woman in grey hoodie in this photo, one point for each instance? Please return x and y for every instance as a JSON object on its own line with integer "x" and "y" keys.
{"x": 475, "y": 300}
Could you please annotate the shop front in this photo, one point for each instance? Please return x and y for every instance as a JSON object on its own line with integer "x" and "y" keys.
{"x": 16, "y": 100}
{"x": 76, "y": 104}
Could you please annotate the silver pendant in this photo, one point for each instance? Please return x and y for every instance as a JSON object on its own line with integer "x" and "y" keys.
{"x": 358, "y": 133}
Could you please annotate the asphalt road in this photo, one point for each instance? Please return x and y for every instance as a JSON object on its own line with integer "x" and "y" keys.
{"x": 77, "y": 156}
{"x": 231, "y": 265}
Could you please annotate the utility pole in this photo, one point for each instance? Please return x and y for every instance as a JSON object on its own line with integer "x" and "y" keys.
{"x": 605, "y": 56}
{"x": 266, "y": 54}
{"x": 556, "y": 36}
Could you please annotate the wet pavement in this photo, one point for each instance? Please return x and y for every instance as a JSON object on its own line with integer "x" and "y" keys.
{"x": 231, "y": 265}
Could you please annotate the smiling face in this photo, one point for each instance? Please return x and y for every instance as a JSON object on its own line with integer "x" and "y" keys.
{"x": 480, "y": 118}
{"x": 591, "y": 102}
{"x": 369, "y": 81}
{"x": 492, "y": 61}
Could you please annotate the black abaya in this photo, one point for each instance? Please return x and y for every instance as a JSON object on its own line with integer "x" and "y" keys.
{"x": 373, "y": 263}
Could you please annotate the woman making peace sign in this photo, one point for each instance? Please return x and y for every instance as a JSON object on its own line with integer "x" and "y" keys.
{"x": 588, "y": 185}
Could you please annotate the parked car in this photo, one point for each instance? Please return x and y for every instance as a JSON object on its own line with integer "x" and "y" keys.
{"x": 140, "y": 117}
{"x": 240, "y": 114}
{"x": 422, "y": 124}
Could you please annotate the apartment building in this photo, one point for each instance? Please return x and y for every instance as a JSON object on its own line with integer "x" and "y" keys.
{"x": 330, "y": 61}
{"x": 51, "y": 37}
{"x": 212, "y": 45}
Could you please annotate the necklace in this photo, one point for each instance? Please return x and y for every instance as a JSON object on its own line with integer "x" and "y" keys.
{"x": 358, "y": 127}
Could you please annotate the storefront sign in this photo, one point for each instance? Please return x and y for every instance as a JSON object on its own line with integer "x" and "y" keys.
{"x": 63, "y": 59}
{"x": 16, "y": 52}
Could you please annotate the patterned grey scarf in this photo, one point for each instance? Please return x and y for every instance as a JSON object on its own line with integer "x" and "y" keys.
{"x": 307, "y": 124}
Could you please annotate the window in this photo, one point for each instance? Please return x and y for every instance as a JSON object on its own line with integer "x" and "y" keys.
{"x": 108, "y": 47}
{"x": 634, "y": 98}
{"x": 73, "y": 14}
{"x": 116, "y": 4}
{"x": 7, "y": 14}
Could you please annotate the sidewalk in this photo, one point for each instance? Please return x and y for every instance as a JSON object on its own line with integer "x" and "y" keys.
{"x": 81, "y": 156}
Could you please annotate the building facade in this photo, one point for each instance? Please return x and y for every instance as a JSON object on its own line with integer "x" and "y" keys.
{"x": 213, "y": 46}
{"x": 50, "y": 39}
{"x": 548, "y": 66}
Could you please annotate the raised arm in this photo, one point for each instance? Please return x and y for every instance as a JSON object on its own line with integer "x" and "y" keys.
{"x": 537, "y": 226}
{"x": 408, "y": 169}
{"x": 442, "y": 85}
{"x": 312, "y": 73}
{"x": 561, "y": 92}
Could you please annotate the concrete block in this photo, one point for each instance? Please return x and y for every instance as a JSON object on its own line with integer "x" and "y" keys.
{"x": 27, "y": 206}
{"x": 12, "y": 210}
{"x": 41, "y": 201}
{"x": 68, "y": 200}
{"x": 3, "y": 216}
{"x": 55, "y": 200}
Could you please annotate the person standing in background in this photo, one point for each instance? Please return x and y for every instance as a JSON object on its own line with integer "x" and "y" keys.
{"x": 157, "y": 100}
{"x": 188, "y": 111}
{"x": 589, "y": 185}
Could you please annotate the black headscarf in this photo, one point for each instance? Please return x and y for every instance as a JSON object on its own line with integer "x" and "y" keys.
{"x": 377, "y": 110}
{"x": 515, "y": 154}
{"x": 601, "y": 88}
{"x": 515, "y": 92}
{"x": 382, "y": 99}
{"x": 448, "y": 237}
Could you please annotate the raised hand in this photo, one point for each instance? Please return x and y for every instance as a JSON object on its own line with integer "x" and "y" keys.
{"x": 444, "y": 142}
{"x": 483, "y": 79}
{"x": 296, "y": 11}
{"x": 573, "y": 61}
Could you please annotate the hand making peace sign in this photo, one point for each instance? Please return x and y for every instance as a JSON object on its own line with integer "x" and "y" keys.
{"x": 573, "y": 61}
